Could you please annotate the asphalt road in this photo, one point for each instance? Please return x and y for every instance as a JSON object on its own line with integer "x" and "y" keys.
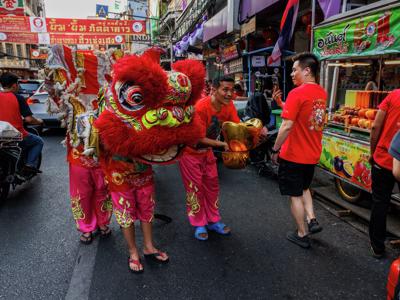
{"x": 41, "y": 257}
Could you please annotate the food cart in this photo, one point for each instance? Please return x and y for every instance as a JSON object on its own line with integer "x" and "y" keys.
{"x": 355, "y": 48}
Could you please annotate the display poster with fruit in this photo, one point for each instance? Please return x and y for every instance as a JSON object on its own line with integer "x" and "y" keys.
{"x": 373, "y": 34}
{"x": 347, "y": 159}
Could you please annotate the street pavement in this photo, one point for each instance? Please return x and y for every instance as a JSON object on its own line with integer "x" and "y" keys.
{"x": 41, "y": 257}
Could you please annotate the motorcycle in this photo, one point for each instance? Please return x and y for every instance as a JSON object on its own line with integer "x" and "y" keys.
{"x": 12, "y": 161}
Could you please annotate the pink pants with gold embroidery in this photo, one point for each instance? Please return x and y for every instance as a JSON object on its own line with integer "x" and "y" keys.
{"x": 91, "y": 206}
{"x": 134, "y": 204}
{"x": 200, "y": 177}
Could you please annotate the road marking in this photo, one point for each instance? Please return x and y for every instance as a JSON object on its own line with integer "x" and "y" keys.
{"x": 79, "y": 286}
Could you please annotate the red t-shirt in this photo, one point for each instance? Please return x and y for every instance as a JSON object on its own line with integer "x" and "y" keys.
{"x": 305, "y": 106}
{"x": 211, "y": 120}
{"x": 391, "y": 105}
{"x": 10, "y": 112}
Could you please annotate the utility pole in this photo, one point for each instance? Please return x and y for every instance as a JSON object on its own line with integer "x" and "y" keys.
{"x": 313, "y": 8}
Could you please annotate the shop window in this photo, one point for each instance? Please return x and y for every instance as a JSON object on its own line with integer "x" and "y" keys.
{"x": 19, "y": 51}
{"x": 9, "y": 49}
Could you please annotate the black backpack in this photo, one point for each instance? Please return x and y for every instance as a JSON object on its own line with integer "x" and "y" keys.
{"x": 257, "y": 107}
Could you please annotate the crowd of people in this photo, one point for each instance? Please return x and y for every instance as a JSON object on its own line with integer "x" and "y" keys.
{"x": 297, "y": 150}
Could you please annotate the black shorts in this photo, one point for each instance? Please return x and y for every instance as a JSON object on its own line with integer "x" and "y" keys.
{"x": 294, "y": 178}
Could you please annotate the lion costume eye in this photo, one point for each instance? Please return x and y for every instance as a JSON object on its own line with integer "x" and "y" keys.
{"x": 130, "y": 97}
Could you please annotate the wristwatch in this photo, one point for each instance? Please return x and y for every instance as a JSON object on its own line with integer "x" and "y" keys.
{"x": 275, "y": 151}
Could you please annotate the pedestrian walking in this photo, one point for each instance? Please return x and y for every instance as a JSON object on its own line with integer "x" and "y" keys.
{"x": 198, "y": 164}
{"x": 298, "y": 144}
{"x": 383, "y": 130}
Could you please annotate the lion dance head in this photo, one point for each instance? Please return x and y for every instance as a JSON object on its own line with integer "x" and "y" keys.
{"x": 148, "y": 112}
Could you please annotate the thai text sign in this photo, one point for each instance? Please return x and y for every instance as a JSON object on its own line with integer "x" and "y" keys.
{"x": 346, "y": 159}
{"x": 374, "y": 34}
{"x": 12, "y": 7}
{"x": 71, "y": 26}
{"x": 66, "y": 39}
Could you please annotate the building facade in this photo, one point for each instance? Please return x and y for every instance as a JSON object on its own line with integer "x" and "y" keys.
{"x": 18, "y": 58}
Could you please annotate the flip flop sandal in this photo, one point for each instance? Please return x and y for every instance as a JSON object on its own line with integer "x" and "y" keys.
{"x": 200, "y": 230}
{"x": 153, "y": 257}
{"x": 137, "y": 263}
{"x": 218, "y": 228}
{"x": 105, "y": 232}
{"x": 86, "y": 240}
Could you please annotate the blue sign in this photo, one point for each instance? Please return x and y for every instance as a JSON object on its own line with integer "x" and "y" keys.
{"x": 101, "y": 10}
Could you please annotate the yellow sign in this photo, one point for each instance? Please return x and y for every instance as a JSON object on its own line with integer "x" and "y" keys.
{"x": 248, "y": 27}
{"x": 346, "y": 159}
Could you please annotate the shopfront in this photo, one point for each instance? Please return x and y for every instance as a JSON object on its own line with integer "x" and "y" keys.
{"x": 360, "y": 66}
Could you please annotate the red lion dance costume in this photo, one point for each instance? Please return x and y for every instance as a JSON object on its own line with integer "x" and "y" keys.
{"x": 148, "y": 117}
{"x": 73, "y": 79}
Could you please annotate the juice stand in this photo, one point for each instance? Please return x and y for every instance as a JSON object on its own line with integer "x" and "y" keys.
{"x": 357, "y": 49}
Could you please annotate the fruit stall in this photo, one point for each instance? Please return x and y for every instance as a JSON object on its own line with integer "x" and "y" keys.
{"x": 360, "y": 64}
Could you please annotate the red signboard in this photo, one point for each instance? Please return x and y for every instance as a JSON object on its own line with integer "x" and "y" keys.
{"x": 23, "y": 38}
{"x": 38, "y": 54}
{"x": 229, "y": 53}
{"x": 12, "y": 7}
{"x": 14, "y": 24}
{"x": 66, "y": 39}
{"x": 71, "y": 26}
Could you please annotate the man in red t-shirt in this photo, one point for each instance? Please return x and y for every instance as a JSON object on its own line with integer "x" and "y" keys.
{"x": 299, "y": 144}
{"x": 15, "y": 111}
{"x": 383, "y": 130}
{"x": 198, "y": 164}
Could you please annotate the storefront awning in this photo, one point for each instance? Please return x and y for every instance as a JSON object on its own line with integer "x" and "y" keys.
{"x": 249, "y": 8}
{"x": 216, "y": 25}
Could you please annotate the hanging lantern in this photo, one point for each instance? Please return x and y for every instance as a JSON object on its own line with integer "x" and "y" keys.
{"x": 270, "y": 36}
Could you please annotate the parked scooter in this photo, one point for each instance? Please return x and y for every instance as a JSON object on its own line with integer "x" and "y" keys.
{"x": 12, "y": 161}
